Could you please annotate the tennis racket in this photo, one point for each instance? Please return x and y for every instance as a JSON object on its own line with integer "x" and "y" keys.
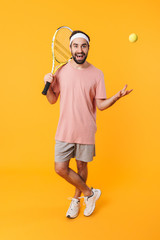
{"x": 60, "y": 51}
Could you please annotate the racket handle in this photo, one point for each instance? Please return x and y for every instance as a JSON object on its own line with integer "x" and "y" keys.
{"x": 46, "y": 88}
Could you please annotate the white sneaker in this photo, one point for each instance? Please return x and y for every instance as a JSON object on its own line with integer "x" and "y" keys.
{"x": 91, "y": 201}
{"x": 73, "y": 209}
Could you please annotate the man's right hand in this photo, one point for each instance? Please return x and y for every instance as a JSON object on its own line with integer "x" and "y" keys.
{"x": 49, "y": 77}
{"x": 51, "y": 95}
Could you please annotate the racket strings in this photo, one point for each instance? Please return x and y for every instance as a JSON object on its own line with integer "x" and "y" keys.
{"x": 61, "y": 45}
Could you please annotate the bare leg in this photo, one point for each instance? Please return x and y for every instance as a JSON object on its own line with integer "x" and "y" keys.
{"x": 62, "y": 168}
{"x": 83, "y": 172}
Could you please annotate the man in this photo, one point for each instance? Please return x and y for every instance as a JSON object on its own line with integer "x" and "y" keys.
{"x": 81, "y": 88}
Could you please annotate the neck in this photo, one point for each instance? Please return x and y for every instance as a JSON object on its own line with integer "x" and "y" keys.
{"x": 79, "y": 66}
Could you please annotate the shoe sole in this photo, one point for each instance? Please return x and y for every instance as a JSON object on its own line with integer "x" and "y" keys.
{"x": 68, "y": 216}
{"x": 94, "y": 204}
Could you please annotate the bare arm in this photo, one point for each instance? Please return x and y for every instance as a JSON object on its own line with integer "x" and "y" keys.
{"x": 104, "y": 104}
{"x": 51, "y": 95}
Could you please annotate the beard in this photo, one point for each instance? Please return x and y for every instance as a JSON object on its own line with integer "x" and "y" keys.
{"x": 79, "y": 61}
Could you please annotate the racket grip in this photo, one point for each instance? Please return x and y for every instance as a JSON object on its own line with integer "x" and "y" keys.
{"x": 46, "y": 88}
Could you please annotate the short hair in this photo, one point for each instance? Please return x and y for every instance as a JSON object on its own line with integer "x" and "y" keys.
{"x": 78, "y": 31}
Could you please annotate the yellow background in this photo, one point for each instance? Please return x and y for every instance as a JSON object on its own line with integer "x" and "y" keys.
{"x": 33, "y": 198}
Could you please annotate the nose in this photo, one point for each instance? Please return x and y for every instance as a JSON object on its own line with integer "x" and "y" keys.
{"x": 79, "y": 49}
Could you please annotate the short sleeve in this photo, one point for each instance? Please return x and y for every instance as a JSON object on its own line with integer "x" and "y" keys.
{"x": 100, "y": 87}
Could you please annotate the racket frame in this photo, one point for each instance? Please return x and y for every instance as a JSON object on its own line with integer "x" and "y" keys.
{"x": 44, "y": 92}
{"x": 54, "y": 58}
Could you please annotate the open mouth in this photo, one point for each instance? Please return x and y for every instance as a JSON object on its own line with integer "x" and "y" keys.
{"x": 80, "y": 56}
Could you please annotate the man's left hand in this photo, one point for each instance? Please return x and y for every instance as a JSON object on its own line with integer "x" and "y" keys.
{"x": 123, "y": 92}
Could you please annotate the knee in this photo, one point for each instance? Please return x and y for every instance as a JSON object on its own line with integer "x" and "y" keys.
{"x": 61, "y": 171}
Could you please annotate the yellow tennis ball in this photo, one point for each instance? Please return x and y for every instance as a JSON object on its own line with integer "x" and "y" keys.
{"x": 133, "y": 37}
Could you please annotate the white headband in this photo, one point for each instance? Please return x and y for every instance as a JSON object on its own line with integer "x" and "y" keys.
{"x": 79, "y": 35}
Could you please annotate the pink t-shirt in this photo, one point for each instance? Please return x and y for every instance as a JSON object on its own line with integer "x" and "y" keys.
{"x": 78, "y": 90}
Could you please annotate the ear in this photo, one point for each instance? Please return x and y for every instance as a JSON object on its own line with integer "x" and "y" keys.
{"x": 70, "y": 47}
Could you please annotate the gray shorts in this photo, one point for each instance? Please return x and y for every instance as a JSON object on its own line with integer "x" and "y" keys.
{"x": 65, "y": 151}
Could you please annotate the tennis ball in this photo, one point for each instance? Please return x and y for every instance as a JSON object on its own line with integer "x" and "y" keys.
{"x": 133, "y": 37}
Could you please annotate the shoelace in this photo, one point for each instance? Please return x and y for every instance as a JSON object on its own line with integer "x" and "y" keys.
{"x": 69, "y": 198}
{"x": 84, "y": 199}
{"x": 73, "y": 200}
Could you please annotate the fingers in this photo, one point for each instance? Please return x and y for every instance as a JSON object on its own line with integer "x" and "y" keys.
{"x": 124, "y": 88}
{"x": 127, "y": 92}
{"x": 123, "y": 91}
{"x": 48, "y": 78}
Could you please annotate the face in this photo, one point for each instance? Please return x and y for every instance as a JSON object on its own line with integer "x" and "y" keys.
{"x": 79, "y": 50}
